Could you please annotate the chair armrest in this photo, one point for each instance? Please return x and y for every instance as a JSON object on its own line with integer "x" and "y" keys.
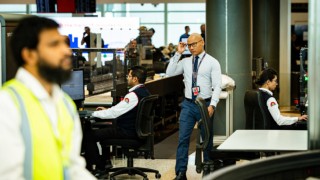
{"x": 101, "y": 123}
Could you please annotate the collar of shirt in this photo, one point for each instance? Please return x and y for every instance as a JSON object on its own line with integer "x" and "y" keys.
{"x": 200, "y": 55}
{"x": 135, "y": 87}
{"x": 34, "y": 85}
{"x": 266, "y": 90}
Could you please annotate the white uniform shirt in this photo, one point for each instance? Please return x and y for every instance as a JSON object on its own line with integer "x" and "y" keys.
{"x": 209, "y": 75}
{"x": 12, "y": 145}
{"x": 129, "y": 102}
{"x": 273, "y": 108}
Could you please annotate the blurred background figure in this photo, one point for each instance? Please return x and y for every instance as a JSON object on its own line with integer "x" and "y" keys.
{"x": 141, "y": 29}
{"x": 86, "y": 37}
{"x": 152, "y": 33}
{"x": 203, "y": 32}
{"x": 295, "y": 53}
{"x": 132, "y": 53}
{"x": 186, "y": 33}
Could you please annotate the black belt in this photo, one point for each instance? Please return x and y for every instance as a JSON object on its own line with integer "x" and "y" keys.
{"x": 190, "y": 100}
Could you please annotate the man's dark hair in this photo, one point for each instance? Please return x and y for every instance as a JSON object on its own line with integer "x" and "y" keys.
{"x": 139, "y": 72}
{"x": 26, "y": 35}
{"x": 267, "y": 74}
{"x": 186, "y": 27}
{"x": 153, "y": 31}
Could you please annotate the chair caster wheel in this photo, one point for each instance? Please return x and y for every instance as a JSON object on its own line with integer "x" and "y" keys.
{"x": 158, "y": 175}
{"x": 145, "y": 178}
{"x": 198, "y": 170}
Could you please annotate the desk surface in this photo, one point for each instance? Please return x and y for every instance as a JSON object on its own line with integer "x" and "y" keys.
{"x": 266, "y": 140}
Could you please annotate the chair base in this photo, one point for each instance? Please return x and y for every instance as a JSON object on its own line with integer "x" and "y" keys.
{"x": 133, "y": 171}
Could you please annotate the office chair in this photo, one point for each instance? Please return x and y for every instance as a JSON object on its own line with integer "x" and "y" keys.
{"x": 219, "y": 158}
{"x": 138, "y": 147}
{"x": 256, "y": 117}
{"x": 202, "y": 142}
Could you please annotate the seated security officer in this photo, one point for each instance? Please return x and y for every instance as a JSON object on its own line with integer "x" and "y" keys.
{"x": 268, "y": 81}
{"x": 125, "y": 112}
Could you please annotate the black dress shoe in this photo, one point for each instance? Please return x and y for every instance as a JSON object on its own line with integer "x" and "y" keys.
{"x": 181, "y": 176}
{"x": 98, "y": 173}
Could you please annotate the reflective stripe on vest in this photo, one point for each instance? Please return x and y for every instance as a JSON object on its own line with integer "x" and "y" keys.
{"x": 46, "y": 153}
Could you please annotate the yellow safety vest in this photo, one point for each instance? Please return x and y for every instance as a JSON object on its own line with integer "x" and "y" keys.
{"x": 46, "y": 153}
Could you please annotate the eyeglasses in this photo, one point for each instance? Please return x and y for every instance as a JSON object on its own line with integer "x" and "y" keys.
{"x": 193, "y": 44}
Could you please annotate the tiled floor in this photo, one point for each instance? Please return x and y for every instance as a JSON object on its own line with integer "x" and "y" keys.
{"x": 165, "y": 167}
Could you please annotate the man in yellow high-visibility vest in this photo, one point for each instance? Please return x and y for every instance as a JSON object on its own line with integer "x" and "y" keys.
{"x": 40, "y": 128}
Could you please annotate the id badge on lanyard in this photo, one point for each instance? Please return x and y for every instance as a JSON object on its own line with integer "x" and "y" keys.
{"x": 195, "y": 88}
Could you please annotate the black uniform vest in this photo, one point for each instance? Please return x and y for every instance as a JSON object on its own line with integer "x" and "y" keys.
{"x": 272, "y": 123}
{"x": 127, "y": 121}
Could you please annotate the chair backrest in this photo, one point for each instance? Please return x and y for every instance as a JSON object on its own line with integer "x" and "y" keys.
{"x": 256, "y": 117}
{"x": 144, "y": 121}
{"x": 204, "y": 122}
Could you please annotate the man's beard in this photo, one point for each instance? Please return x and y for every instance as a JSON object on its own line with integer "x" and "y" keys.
{"x": 52, "y": 74}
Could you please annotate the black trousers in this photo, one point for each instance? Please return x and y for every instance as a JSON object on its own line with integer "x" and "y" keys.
{"x": 90, "y": 139}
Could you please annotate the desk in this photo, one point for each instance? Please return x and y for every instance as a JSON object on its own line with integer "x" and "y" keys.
{"x": 266, "y": 140}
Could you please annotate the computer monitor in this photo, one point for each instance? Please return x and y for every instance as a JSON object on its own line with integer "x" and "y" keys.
{"x": 74, "y": 87}
{"x": 146, "y": 55}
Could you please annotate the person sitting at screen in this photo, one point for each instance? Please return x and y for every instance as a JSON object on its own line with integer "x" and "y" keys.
{"x": 268, "y": 83}
{"x": 125, "y": 112}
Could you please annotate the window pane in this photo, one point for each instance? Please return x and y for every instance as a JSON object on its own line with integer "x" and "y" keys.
{"x": 146, "y": 7}
{"x": 144, "y": 17}
{"x": 148, "y": 17}
{"x": 176, "y": 30}
{"x": 115, "y": 7}
{"x": 158, "y": 37}
{"x": 13, "y": 8}
{"x": 119, "y": 14}
{"x": 186, "y": 17}
{"x": 186, "y": 6}
{"x": 33, "y": 7}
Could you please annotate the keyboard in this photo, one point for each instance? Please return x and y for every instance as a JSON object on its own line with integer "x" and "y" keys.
{"x": 85, "y": 113}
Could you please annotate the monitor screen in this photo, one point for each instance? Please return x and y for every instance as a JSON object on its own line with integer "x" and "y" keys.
{"x": 74, "y": 87}
{"x": 147, "y": 53}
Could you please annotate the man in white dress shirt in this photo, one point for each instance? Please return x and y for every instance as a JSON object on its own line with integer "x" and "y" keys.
{"x": 40, "y": 128}
{"x": 202, "y": 78}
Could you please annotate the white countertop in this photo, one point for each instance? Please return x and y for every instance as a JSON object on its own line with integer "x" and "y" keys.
{"x": 266, "y": 140}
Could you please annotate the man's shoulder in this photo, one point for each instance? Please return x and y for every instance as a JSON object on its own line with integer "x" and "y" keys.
{"x": 4, "y": 94}
{"x": 141, "y": 90}
{"x": 211, "y": 59}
